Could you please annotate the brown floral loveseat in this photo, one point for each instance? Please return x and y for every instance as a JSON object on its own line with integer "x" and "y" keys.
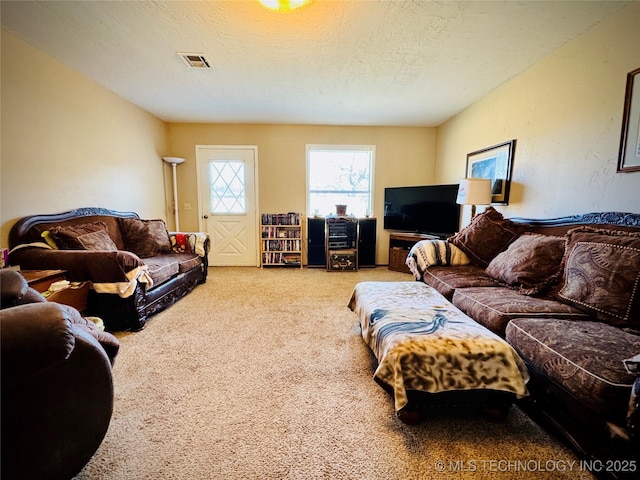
{"x": 136, "y": 267}
{"x": 565, "y": 293}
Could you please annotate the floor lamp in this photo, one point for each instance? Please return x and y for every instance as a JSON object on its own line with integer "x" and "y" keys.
{"x": 474, "y": 191}
{"x": 175, "y": 161}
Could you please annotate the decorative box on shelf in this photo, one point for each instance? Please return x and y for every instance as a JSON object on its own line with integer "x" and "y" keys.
{"x": 341, "y": 260}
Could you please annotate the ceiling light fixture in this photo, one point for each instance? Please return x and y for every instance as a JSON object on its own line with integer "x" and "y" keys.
{"x": 283, "y": 5}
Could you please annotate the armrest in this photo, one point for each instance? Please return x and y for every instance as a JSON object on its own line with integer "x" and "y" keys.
{"x": 37, "y": 335}
{"x": 98, "y": 266}
{"x": 105, "y": 342}
{"x": 13, "y": 287}
{"x": 14, "y": 290}
{"x": 426, "y": 253}
{"x": 82, "y": 327}
{"x": 196, "y": 242}
{"x": 34, "y": 336}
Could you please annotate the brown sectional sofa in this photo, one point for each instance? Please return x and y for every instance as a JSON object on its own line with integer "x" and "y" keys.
{"x": 565, "y": 293}
{"x": 136, "y": 267}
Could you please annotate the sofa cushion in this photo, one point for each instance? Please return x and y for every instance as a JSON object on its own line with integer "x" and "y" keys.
{"x": 488, "y": 234}
{"x": 584, "y": 357}
{"x": 530, "y": 264}
{"x": 186, "y": 261}
{"x": 162, "y": 267}
{"x": 86, "y": 236}
{"x": 496, "y": 307}
{"x": 601, "y": 275}
{"x": 145, "y": 238}
{"x": 446, "y": 279}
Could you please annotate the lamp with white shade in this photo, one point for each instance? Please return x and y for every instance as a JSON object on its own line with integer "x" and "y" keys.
{"x": 474, "y": 191}
{"x": 175, "y": 161}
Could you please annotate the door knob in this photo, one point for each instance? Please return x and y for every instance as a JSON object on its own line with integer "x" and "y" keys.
{"x": 205, "y": 216}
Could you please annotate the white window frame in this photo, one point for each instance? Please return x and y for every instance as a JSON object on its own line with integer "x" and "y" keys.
{"x": 371, "y": 149}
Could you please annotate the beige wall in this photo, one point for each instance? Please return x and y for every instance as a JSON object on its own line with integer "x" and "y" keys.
{"x": 67, "y": 142}
{"x": 404, "y": 156}
{"x": 566, "y": 114}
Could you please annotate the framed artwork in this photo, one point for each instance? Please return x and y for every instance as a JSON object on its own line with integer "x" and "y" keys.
{"x": 629, "y": 156}
{"x": 496, "y": 164}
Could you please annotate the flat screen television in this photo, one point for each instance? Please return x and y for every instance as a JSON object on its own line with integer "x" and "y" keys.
{"x": 430, "y": 209}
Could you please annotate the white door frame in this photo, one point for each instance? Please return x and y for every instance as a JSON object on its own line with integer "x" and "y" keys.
{"x": 254, "y": 148}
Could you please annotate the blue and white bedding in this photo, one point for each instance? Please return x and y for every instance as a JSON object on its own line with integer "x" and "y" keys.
{"x": 422, "y": 342}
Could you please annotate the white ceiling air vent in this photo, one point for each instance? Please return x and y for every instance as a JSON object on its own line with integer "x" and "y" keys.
{"x": 195, "y": 60}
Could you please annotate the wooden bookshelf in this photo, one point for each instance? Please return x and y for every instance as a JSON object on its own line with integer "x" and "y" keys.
{"x": 281, "y": 240}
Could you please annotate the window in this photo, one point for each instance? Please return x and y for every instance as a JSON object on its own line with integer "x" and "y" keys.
{"x": 339, "y": 175}
{"x": 228, "y": 192}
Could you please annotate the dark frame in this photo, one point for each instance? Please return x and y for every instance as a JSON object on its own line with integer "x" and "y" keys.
{"x": 629, "y": 155}
{"x": 495, "y": 163}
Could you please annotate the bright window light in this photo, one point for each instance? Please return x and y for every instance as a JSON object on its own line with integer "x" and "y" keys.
{"x": 339, "y": 175}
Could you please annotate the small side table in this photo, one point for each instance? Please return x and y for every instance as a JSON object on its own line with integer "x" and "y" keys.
{"x": 75, "y": 295}
{"x": 40, "y": 280}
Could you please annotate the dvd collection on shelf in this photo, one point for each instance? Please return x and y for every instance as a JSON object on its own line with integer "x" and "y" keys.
{"x": 280, "y": 258}
{"x": 281, "y": 218}
{"x": 281, "y": 239}
{"x": 282, "y": 245}
{"x": 277, "y": 232}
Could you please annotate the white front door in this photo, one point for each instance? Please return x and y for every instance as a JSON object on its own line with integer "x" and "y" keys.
{"x": 228, "y": 197}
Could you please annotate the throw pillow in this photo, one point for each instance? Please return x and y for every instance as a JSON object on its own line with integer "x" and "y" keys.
{"x": 488, "y": 234}
{"x": 530, "y": 264}
{"x": 180, "y": 243}
{"x": 71, "y": 237}
{"x": 601, "y": 274}
{"x": 46, "y": 235}
{"x": 145, "y": 238}
{"x": 99, "y": 240}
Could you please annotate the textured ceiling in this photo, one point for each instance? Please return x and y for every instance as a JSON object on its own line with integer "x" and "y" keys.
{"x": 332, "y": 63}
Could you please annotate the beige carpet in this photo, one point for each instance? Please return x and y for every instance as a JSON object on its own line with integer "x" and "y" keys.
{"x": 262, "y": 374}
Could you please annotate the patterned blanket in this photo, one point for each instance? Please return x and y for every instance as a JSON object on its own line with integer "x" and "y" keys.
{"x": 422, "y": 342}
{"x": 434, "y": 252}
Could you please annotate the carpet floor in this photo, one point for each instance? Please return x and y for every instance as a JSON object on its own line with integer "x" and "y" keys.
{"x": 262, "y": 374}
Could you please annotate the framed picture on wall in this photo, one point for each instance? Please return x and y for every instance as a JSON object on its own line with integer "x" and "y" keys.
{"x": 629, "y": 155}
{"x": 495, "y": 163}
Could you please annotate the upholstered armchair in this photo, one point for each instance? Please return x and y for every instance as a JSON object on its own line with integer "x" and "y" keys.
{"x": 57, "y": 386}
